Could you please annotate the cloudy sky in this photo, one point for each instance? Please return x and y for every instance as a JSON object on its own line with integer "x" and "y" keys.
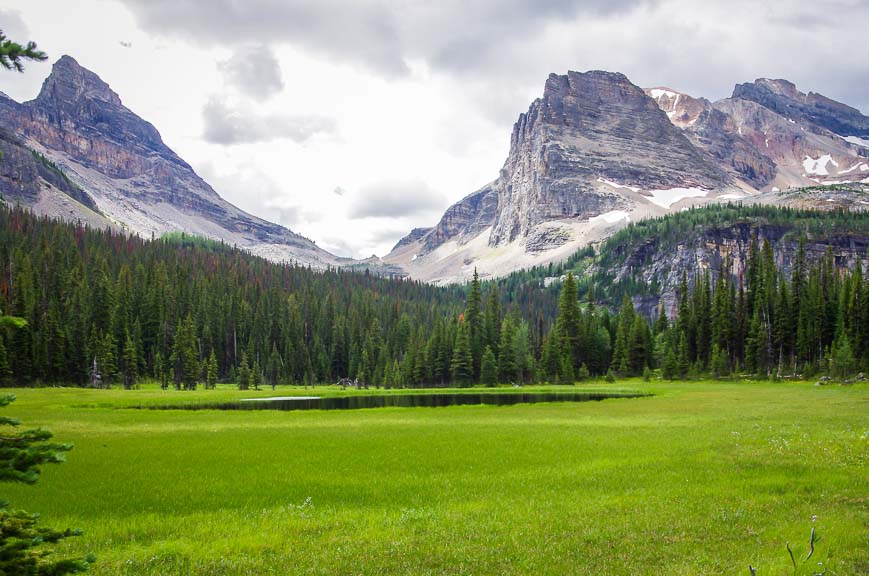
{"x": 353, "y": 121}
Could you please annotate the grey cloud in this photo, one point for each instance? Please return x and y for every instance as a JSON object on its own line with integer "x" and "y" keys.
{"x": 380, "y": 35}
{"x": 363, "y": 32}
{"x": 227, "y": 126}
{"x": 13, "y": 26}
{"x": 395, "y": 199}
{"x": 339, "y": 191}
{"x": 510, "y": 46}
{"x": 255, "y": 71}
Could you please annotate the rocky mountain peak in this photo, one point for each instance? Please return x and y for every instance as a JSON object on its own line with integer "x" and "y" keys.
{"x": 682, "y": 110}
{"x": 117, "y": 162}
{"x": 69, "y": 82}
{"x": 783, "y": 97}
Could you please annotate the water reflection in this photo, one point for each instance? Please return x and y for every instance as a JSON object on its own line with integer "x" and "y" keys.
{"x": 431, "y": 400}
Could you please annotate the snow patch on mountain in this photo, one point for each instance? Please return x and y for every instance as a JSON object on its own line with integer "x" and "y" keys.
{"x": 617, "y": 185}
{"x": 666, "y": 198}
{"x": 818, "y": 166}
{"x": 857, "y": 140}
{"x": 611, "y": 217}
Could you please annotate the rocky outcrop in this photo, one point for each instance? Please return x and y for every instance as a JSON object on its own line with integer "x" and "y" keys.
{"x": 660, "y": 263}
{"x": 768, "y": 135}
{"x": 466, "y": 218}
{"x": 120, "y": 162}
{"x": 782, "y": 97}
{"x": 414, "y": 235}
{"x": 715, "y": 133}
{"x": 595, "y": 152}
{"x": 25, "y": 173}
{"x": 587, "y": 127}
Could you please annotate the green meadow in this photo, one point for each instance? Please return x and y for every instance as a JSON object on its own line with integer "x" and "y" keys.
{"x": 701, "y": 478}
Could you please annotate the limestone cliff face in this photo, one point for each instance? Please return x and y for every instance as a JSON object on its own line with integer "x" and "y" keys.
{"x": 120, "y": 161}
{"x": 587, "y": 129}
{"x": 465, "y": 219}
{"x": 596, "y": 151}
{"x": 590, "y": 126}
{"x": 661, "y": 263}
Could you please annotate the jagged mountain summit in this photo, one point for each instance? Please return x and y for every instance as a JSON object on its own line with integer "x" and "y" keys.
{"x": 78, "y": 153}
{"x": 596, "y": 152}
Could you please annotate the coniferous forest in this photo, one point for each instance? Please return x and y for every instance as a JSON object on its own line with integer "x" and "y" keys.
{"x": 109, "y": 309}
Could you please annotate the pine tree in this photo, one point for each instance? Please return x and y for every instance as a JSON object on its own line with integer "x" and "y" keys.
{"x": 488, "y": 368}
{"x": 130, "y": 363}
{"x": 670, "y": 369}
{"x": 842, "y": 359}
{"x": 718, "y": 362}
{"x": 523, "y": 361}
{"x": 493, "y": 319}
{"x": 243, "y": 372}
{"x": 462, "y": 364}
{"x": 474, "y": 319}
{"x": 211, "y": 371}
{"x": 256, "y": 375}
{"x": 507, "y": 368}
{"x": 567, "y": 324}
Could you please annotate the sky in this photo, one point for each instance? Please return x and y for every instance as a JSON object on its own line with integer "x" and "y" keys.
{"x": 354, "y": 121}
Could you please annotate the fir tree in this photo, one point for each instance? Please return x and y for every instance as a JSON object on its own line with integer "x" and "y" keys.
{"x": 462, "y": 364}
{"x": 488, "y": 368}
{"x": 211, "y": 371}
{"x": 130, "y": 363}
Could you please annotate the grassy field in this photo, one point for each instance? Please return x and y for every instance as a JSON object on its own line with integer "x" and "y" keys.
{"x": 702, "y": 478}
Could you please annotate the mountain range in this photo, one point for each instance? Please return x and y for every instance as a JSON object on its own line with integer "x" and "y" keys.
{"x": 597, "y": 152}
{"x": 594, "y": 153}
{"x": 78, "y": 153}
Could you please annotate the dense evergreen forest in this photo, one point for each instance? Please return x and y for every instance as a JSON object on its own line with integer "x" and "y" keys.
{"x": 595, "y": 268}
{"x": 104, "y": 308}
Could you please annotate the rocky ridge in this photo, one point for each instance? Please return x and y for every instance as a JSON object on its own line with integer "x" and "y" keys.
{"x": 596, "y": 152}
{"x": 128, "y": 174}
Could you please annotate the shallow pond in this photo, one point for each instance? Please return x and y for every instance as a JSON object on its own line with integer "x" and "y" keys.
{"x": 430, "y": 400}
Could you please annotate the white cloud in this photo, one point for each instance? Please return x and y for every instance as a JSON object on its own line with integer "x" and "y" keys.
{"x": 227, "y": 125}
{"x": 395, "y": 199}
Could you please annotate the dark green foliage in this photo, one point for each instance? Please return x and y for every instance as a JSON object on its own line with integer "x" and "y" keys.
{"x": 462, "y": 366}
{"x": 22, "y": 453}
{"x": 185, "y": 309}
{"x": 12, "y": 53}
{"x": 488, "y": 368}
{"x": 21, "y": 539}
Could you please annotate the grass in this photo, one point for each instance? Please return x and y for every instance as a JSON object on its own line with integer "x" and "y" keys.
{"x": 702, "y": 478}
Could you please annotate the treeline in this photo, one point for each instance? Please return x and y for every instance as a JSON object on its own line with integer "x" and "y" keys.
{"x": 108, "y": 308}
{"x": 104, "y": 308}
{"x": 633, "y": 246}
{"x": 757, "y": 322}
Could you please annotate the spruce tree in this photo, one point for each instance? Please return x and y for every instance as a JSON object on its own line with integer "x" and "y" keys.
{"x": 507, "y": 353}
{"x": 567, "y": 324}
{"x": 462, "y": 364}
{"x": 130, "y": 363}
{"x": 243, "y": 372}
{"x": 211, "y": 371}
{"x": 488, "y": 368}
{"x": 474, "y": 319}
